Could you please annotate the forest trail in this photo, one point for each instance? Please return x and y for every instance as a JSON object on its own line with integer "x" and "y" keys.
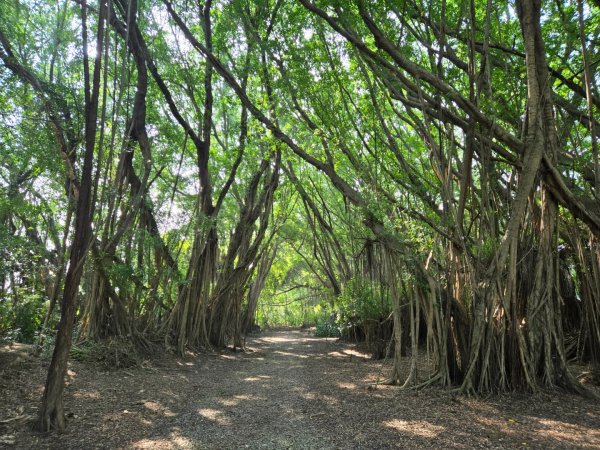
{"x": 290, "y": 390}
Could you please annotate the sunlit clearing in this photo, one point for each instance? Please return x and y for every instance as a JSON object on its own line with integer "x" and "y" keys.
{"x": 418, "y": 428}
{"x": 185, "y": 363}
{"x": 356, "y": 353}
{"x": 291, "y": 354}
{"x": 214, "y": 416}
{"x": 158, "y": 408}
{"x": 237, "y": 399}
{"x": 258, "y": 378}
{"x": 278, "y": 339}
{"x": 574, "y": 434}
{"x": 172, "y": 442}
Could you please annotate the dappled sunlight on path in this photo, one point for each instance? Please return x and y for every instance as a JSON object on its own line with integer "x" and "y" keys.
{"x": 293, "y": 390}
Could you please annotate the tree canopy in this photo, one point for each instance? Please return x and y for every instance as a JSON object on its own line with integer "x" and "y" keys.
{"x": 173, "y": 172}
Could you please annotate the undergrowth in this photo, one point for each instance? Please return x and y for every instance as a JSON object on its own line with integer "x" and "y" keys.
{"x": 113, "y": 352}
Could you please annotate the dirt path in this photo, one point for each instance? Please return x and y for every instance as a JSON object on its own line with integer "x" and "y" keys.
{"x": 291, "y": 391}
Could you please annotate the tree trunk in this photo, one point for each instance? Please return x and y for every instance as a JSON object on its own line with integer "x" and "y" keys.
{"x": 51, "y": 414}
{"x": 264, "y": 266}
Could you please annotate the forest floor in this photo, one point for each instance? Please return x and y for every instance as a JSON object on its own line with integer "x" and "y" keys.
{"x": 290, "y": 390}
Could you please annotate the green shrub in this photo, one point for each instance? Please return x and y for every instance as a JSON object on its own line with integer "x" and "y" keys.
{"x": 326, "y": 322}
{"x": 21, "y": 320}
{"x": 362, "y": 304}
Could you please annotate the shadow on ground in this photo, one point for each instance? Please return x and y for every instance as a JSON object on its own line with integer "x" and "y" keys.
{"x": 291, "y": 390}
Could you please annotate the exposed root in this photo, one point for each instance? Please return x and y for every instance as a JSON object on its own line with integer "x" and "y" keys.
{"x": 436, "y": 378}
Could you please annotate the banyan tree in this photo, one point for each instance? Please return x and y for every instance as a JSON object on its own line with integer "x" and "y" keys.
{"x": 442, "y": 156}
